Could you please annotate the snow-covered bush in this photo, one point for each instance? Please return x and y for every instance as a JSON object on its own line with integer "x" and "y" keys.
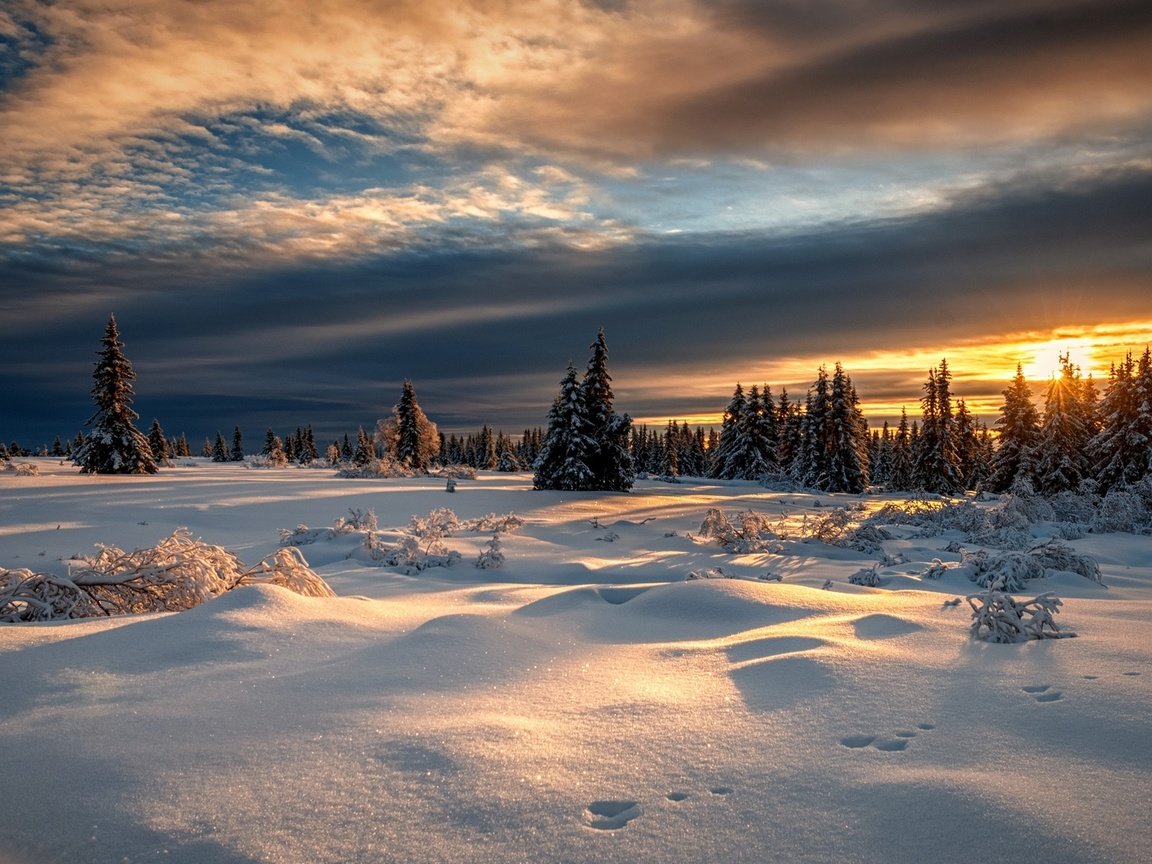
{"x": 422, "y": 544}
{"x": 21, "y": 469}
{"x": 868, "y": 577}
{"x": 1120, "y": 510}
{"x": 492, "y": 555}
{"x": 935, "y": 570}
{"x": 457, "y": 472}
{"x": 831, "y": 527}
{"x": 750, "y": 533}
{"x": 382, "y": 467}
{"x": 998, "y": 617}
{"x": 356, "y": 520}
{"x": 1054, "y": 555}
{"x": 710, "y": 573}
{"x": 176, "y": 574}
{"x": 865, "y": 538}
{"x": 1011, "y": 569}
{"x": 302, "y": 535}
{"x": 1008, "y": 569}
{"x": 505, "y": 523}
{"x": 275, "y": 459}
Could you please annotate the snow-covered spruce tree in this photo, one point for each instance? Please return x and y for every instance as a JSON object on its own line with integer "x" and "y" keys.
{"x": 755, "y": 451}
{"x": 1059, "y": 462}
{"x": 1121, "y": 452}
{"x": 724, "y": 461}
{"x": 1019, "y": 426}
{"x": 612, "y": 467}
{"x": 161, "y": 450}
{"x": 236, "y": 454}
{"x": 847, "y": 437}
{"x": 567, "y": 446}
{"x": 417, "y": 441}
{"x": 810, "y": 467}
{"x": 880, "y": 462}
{"x": 115, "y": 445}
{"x": 936, "y": 463}
{"x": 219, "y": 448}
{"x": 788, "y": 423}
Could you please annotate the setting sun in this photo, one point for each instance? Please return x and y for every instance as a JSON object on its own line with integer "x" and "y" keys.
{"x": 1045, "y": 359}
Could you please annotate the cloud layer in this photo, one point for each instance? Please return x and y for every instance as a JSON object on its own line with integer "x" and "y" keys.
{"x": 292, "y": 206}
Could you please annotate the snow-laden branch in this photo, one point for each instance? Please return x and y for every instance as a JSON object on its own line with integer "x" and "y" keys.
{"x": 176, "y": 574}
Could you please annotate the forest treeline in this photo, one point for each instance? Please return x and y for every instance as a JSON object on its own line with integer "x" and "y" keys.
{"x": 1080, "y": 439}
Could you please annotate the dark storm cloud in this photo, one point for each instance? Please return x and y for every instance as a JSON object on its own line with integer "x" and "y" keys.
{"x": 486, "y": 335}
{"x": 841, "y": 77}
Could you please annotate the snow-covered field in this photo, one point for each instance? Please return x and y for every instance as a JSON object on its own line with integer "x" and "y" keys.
{"x": 584, "y": 703}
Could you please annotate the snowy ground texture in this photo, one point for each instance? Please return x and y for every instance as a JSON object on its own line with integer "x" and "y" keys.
{"x": 586, "y": 702}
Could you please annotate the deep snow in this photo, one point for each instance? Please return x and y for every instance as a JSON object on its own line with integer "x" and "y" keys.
{"x": 584, "y": 703}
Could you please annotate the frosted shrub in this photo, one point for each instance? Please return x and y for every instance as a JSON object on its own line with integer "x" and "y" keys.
{"x": 421, "y": 546}
{"x": 865, "y": 538}
{"x": 1010, "y": 569}
{"x": 869, "y": 577}
{"x": 383, "y": 467}
{"x": 276, "y": 459}
{"x": 935, "y": 570}
{"x": 492, "y": 555}
{"x": 356, "y": 520}
{"x": 751, "y": 533}
{"x": 1120, "y": 510}
{"x": 1054, "y": 555}
{"x": 999, "y": 617}
{"x": 457, "y": 472}
{"x": 302, "y": 535}
{"x": 22, "y": 469}
{"x": 502, "y": 524}
{"x": 830, "y": 527}
{"x": 176, "y": 574}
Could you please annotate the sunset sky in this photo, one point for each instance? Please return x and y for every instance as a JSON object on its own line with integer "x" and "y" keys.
{"x": 293, "y": 206}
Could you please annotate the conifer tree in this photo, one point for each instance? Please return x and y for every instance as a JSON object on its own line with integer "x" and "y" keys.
{"x": 236, "y": 454}
{"x": 1059, "y": 461}
{"x": 610, "y": 462}
{"x": 900, "y": 477}
{"x": 115, "y": 445}
{"x": 365, "y": 450}
{"x": 847, "y": 442}
{"x": 159, "y": 444}
{"x": 723, "y": 458}
{"x": 936, "y": 462}
{"x": 670, "y": 468}
{"x": 810, "y": 467}
{"x": 880, "y": 460}
{"x": 219, "y": 449}
{"x": 567, "y": 445}
{"x": 206, "y": 450}
{"x": 1019, "y": 427}
{"x": 417, "y": 441}
{"x": 1121, "y": 452}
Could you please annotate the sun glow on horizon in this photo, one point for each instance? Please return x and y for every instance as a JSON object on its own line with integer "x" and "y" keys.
{"x": 891, "y": 379}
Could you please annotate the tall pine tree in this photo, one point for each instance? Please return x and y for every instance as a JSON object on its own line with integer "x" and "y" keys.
{"x": 115, "y": 445}
{"x": 1059, "y": 461}
{"x": 1019, "y": 427}
{"x": 610, "y": 461}
{"x": 567, "y": 447}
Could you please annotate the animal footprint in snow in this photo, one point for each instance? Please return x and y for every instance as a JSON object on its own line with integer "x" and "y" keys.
{"x": 1043, "y": 692}
{"x": 721, "y": 790}
{"x": 888, "y": 744}
{"x": 677, "y": 796}
{"x": 610, "y": 815}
